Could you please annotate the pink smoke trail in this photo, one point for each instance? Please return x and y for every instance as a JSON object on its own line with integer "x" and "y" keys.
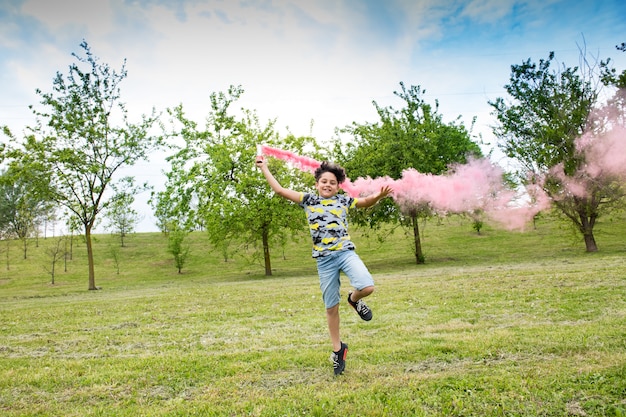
{"x": 466, "y": 188}
{"x": 476, "y": 185}
{"x": 306, "y": 164}
{"x": 301, "y": 162}
{"x": 515, "y": 216}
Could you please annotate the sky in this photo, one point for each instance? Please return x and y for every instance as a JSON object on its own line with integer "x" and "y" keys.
{"x": 313, "y": 65}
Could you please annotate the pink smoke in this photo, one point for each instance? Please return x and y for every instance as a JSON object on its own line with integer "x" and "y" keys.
{"x": 473, "y": 186}
{"x": 301, "y": 162}
{"x": 514, "y": 212}
{"x": 605, "y": 160}
{"x": 603, "y": 149}
{"x": 604, "y": 154}
{"x": 466, "y": 188}
{"x": 307, "y": 164}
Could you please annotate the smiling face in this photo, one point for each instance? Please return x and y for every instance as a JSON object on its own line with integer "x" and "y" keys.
{"x": 327, "y": 185}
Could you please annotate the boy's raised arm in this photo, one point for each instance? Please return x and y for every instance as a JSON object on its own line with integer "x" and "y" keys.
{"x": 291, "y": 195}
{"x": 370, "y": 200}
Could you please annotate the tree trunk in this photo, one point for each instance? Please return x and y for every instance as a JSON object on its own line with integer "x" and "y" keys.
{"x": 92, "y": 274}
{"x": 590, "y": 243}
{"x": 586, "y": 228}
{"x": 266, "y": 252}
{"x": 8, "y": 247}
{"x": 419, "y": 256}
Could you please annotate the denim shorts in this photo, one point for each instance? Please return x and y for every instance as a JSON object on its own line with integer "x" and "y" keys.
{"x": 330, "y": 266}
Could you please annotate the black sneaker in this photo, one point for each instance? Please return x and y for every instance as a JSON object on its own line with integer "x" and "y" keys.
{"x": 339, "y": 359}
{"x": 361, "y": 308}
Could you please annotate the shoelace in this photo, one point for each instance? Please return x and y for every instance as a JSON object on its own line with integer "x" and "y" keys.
{"x": 361, "y": 307}
{"x": 334, "y": 359}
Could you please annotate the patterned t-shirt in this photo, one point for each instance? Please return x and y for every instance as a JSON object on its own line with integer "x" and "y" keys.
{"x": 328, "y": 222}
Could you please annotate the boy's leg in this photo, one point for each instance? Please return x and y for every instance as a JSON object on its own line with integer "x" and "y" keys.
{"x": 356, "y": 295}
{"x": 332, "y": 317}
{"x": 359, "y": 275}
{"x": 340, "y": 349}
{"x": 329, "y": 284}
{"x": 361, "y": 280}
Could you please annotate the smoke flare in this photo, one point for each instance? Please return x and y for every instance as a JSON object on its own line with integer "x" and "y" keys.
{"x": 467, "y": 188}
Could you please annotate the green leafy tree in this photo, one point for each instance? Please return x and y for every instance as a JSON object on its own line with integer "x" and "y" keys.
{"x": 122, "y": 218}
{"x": 82, "y": 139}
{"x": 178, "y": 247}
{"x": 213, "y": 183}
{"x": 414, "y": 136}
{"x": 550, "y": 107}
{"x": 115, "y": 254}
{"x": 20, "y": 207}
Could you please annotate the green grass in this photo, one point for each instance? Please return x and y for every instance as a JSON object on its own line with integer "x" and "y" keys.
{"x": 497, "y": 324}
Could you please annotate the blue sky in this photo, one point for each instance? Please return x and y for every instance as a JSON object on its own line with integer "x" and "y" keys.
{"x": 298, "y": 60}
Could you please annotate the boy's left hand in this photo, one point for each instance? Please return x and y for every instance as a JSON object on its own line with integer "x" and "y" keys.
{"x": 384, "y": 192}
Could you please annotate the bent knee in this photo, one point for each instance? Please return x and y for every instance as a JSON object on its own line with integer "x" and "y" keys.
{"x": 367, "y": 290}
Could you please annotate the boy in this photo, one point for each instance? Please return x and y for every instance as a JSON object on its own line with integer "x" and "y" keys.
{"x": 333, "y": 250}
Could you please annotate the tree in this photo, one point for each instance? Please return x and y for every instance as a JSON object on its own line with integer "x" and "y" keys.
{"x": 76, "y": 148}
{"x": 73, "y": 225}
{"x": 177, "y": 246}
{"x": 47, "y": 219}
{"x": 121, "y": 216}
{"x": 115, "y": 254}
{"x": 55, "y": 251}
{"x": 551, "y": 107}
{"x": 414, "y": 136}
{"x": 20, "y": 207}
{"x": 214, "y": 184}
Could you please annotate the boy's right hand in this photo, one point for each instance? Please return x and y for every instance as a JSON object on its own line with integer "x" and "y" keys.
{"x": 260, "y": 161}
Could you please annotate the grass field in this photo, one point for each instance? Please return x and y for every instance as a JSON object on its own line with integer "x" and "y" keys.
{"x": 497, "y": 324}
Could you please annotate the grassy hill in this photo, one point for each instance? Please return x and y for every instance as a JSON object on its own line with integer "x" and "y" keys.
{"x": 501, "y": 323}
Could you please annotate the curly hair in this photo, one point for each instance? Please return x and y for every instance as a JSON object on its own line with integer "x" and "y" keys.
{"x": 331, "y": 167}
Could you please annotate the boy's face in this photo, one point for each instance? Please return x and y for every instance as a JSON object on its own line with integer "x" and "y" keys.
{"x": 327, "y": 185}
